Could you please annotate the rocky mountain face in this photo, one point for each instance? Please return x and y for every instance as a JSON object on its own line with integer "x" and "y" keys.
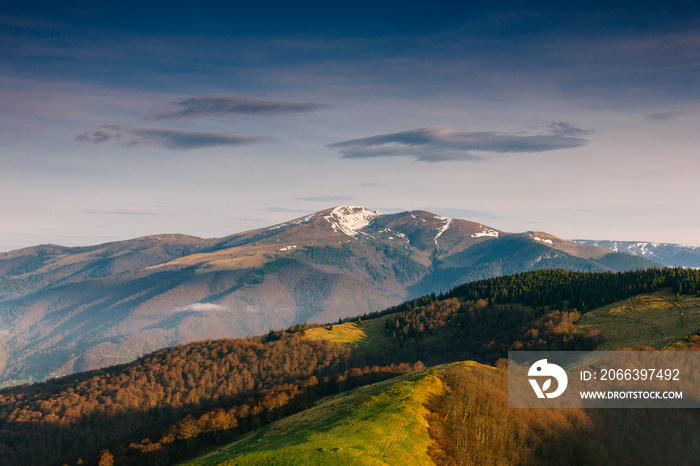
{"x": 65, "y": 310}
{"x": 668, "y": 254}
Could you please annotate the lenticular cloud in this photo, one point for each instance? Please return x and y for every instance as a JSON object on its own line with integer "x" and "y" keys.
{"x": 175, "y": 139}
{"x": 444, "y": 143}
{"x": 220, "y": 105}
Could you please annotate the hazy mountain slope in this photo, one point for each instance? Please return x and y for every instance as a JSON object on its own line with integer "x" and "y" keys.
{"x": 73, "y": 309}
{"x": 516, "y": 253}
{"x": 668, "y": 254}
{"x": 31, "y": 269}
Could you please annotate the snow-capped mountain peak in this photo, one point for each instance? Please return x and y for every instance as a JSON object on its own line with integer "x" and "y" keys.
{"x": 350, "y": 219}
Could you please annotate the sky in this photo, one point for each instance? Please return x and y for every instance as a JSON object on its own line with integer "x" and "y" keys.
{"x": 125, "y": 119}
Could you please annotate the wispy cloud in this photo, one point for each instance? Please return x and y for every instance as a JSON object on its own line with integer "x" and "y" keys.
{"x": 663, "y": 116}
{"x": 326, "y": 198}
{"x": 26, "y": 22}
{"x": 220, "y": 105}
{"x": 175, "y": 139}
{"x": 444, "y": 143}
{"x": 204, "y": 307}
{"x": 461, "y": 213}
{"x": 119, "y": 212}
{"x": 285, "y": 210}
{"x": 563, "y": 128}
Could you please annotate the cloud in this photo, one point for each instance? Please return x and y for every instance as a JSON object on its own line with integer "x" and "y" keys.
{"x": 326, "y": 198}
{"x": 23, "y": 22}
{"x": 461, "y": 213}
{"x": 663, "y": 116}
{"x": 219, "y": 105}
{"x": 563, "y": 128}
{"x": 118, "y": 212}
{"x": 204, "y": 307}
{"x": 285, "y": 210}
{"x": 175, "y": 139}
{"x": 444, "y": 143}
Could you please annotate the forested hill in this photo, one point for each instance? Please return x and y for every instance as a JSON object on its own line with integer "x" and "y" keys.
{"x": 574, "y": 290}
{"x": 168, "y": 405}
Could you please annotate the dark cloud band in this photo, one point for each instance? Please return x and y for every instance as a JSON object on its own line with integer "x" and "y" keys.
{"x": 175, "y": 139}
{"x": 220, "y": 105}
{"x": 563, "y": 128}
{"x": 444, "y": 143}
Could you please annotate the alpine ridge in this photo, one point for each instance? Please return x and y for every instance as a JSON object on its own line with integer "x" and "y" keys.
{"x": 668, "y": 254}
{"x": 64, "y": 310}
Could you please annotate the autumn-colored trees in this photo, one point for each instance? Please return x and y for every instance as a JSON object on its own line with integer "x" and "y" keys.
{"x": 64, "y": 417}
{"x": 471, "y": 424}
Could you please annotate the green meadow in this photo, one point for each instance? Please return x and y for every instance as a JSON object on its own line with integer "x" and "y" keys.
{"x": 379, "y": 424}
{"x": 657, "y": 320}
{"x": 367, "y": 334}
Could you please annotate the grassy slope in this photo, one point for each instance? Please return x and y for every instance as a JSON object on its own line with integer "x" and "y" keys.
{"x": 657, "y": 320}
{"x": 379, "y": 424}
{"x": 369, "y": 334}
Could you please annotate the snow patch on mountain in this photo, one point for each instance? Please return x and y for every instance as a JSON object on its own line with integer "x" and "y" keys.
{"x": 643, "y": 249}
{"x": 302, "y": 220}
{"x": 548, "y": 241}
{"x": 485, "y": 232}
{"x": 298, "y": 221}
{"x": 442, "y": 229}
{"x": 392, "y": 234}
{"x": 350, "y": 219}
{"x": 668, "y": 254}
{"x": 538, "y": 239}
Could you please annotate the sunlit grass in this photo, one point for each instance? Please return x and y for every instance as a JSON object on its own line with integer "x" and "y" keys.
{"x": 657, "y": 320}
{"x": 379, "y": 424}
{"x": 366, "y": 334}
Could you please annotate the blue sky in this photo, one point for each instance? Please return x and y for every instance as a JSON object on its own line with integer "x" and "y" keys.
{"x": 133, "y": 118}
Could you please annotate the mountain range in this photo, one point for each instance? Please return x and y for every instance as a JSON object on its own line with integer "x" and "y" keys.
{"x": 71, "y": 309}
{"x": 668, "y": 254}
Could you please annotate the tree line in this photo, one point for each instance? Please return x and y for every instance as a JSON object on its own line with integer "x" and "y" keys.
{"x": 560, "y": 289}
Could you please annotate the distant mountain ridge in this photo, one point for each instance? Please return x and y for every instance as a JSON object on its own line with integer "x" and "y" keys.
{"x": 64, "y": 310}
{"x": 668, "y": 254}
